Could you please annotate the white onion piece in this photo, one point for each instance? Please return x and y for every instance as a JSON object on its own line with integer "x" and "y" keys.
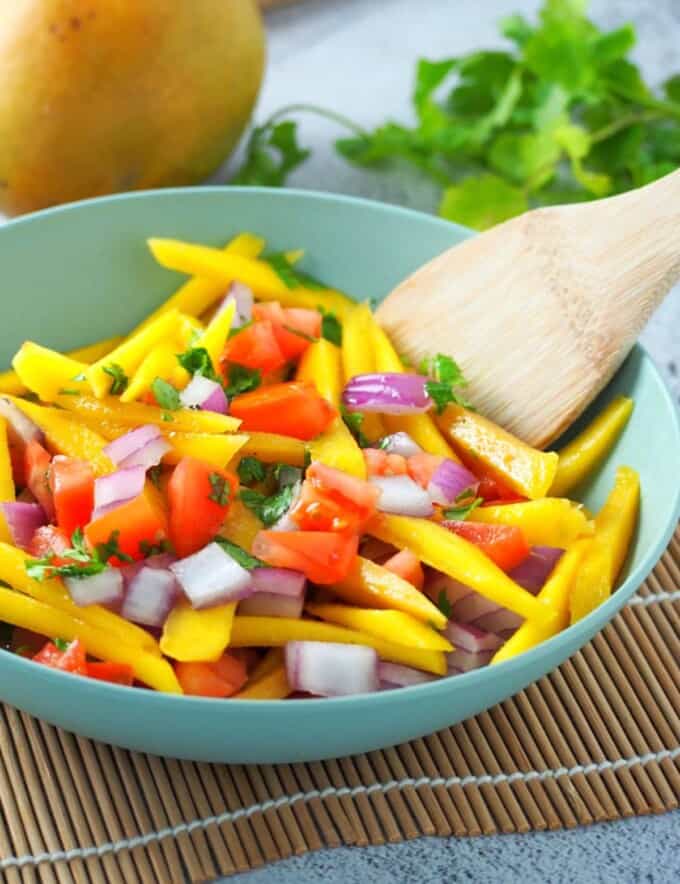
{"x": 150, "y": 597}
{"x": 396, "y": 675}
{"x": 21, "y": 429}
{"x": 23, "y": 520}
{"x": 400, "y": 443}
{"x": 149, "y": 455}
{"x": 212, "y": 577}
{"x": 203, "y": 393}
{"x": 270, "y": 604}
{"x": 464, "y": 661}
{"x": 402, "y": 496}
{"x": 122, "y": 448}
{"x": 105, "y": 588}
{"x": 328, "y": 669}
{"x": 117, "y": 487}
{"x": 449, "y": 480}
{"x": 465, "y": 637}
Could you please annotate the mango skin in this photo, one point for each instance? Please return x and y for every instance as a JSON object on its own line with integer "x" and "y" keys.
{"x": 97, "y": 97}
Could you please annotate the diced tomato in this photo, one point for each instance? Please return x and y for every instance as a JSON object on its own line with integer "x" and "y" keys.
{"x": 506, "y": 545}
{"x": 294, "y": 409}
{"x": 72, "y": 486}
{"x": 323, "y": 556}
{"x": 293, "y": 327}
{"x": 49, "y": 540}
{"x": 255, "y": 347}
{"x": 36, "y": 469}
{"x": 220, "y": 679}
{"x": 291, "y": 344}
{"x": 199, "y": 496}
{"x": 380, "y": 463}
{"x": 71, "y": 660}
{"x": 118, "y": 673}
{"x": 331, "y": 500}
{"x": 269, "y": 310}
{"x": 139, "y": 522}
{"x": 306, "y": 321}
{"x": 493, "y": 490}
{"x": 407, "y": 566}
{"x": 421, "y": 467}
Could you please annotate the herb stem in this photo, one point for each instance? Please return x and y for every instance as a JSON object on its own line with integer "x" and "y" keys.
{"x": 334, "y": 116}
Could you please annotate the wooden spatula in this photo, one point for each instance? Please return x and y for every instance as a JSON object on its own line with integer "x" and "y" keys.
{"x": 541, "y": 310}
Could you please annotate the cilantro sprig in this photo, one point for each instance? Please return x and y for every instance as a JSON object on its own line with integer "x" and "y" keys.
{"x": 240, "y": 555}
{"x": 353, "y": 421}
{"x": 220, "y": 489}
{"x": 242, "y": 380}
{"x": 269, "y": 508}
{"x": 166, "y": 395}
{"x": 465, "y": 503}
{"x": 446, "y": 378}
{"x": 196, "y": 360}
{"x": 80, "y": 560}
{"x": 120, "y": 380}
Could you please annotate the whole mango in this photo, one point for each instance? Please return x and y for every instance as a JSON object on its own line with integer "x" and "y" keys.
{"x": 128, "y": 94}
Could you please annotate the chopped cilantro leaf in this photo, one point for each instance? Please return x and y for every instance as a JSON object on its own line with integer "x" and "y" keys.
{"x": 444, "y": 604}
{"x": 80, "y": 561}
{"x": 154, "y": 549}
{"x": 445, "y": 376}
{"x": 197, "y": 360}
{"x": 120, "y": 379}
{"x": 220, "y": 489}
{"x": 268, "y": 509}
{"x": 61, "y": 644}
{"x": 166, "y": 395}
{"x": 238, "y": 554}
{"x": 461, "y": 512}
{"x": 108, "y": 550}
{"x": 167, "y": 418}
{"x": 250, "y": 470}
{"x": 68, "y": 391}
{"x": 353, "y": 421}
{"x": 331, "y": 329}
{"x": 242, "y": 380}
{"x": 283, "y": 269}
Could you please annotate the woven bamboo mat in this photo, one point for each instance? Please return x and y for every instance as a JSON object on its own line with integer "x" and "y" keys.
{"x": 596, "y": 740}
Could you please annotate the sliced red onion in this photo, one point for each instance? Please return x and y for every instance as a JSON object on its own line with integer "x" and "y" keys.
{"x": 115, "y": 488}
{"x": 239, "y": 293}
{"x": 161, "y": 561}
{"x": 498, "y": 621}
{"x": 465, "y": 661}
{"x": 278, "y": 592}
{"x": 122, "y": 448}
{"x": 465, "y": 637}
{"x": 454, "y": 590}
{"x": 203, "y": 393}
{"x": 400, "y": 443}
{"x": 473, "y": 606}
{"x": 150, "y": 455}
{"x": 151, "y": 594}
{"x": 212, "y": 577}
{"x": 105, "y": 588}
{"x": 23, "y": 520}
{"x": 402, "y": 496}
{"x": 396, "y": 675}
{"x": 537, "y": 567}
{"x": 449, "y": 480}
{"x": 328, "y": 669}
{"x": 387, "y": 393}
{"x": 21, "y": 428}
{"x": 269, "y": 604}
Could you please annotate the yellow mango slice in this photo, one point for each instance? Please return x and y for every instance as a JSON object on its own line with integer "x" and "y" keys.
{"x": 358, "y": 358}
{"x": 320, "y": 365}
{"x": 614, "y": 527}
{"x": 132, "y": 351}
{"x": 215, "y": 336}
{"x": 20, "y": 610}
{"x": 451, "y": 554}
{"x": 161, "y": 362}
{"x": 272, "y": 659}
{"x": 552, "y": 521}
{"x": 580, "y": 456}
{"x": 241, "y": 525}
{"x": 372, "y": 586}
{"x": 110, "y": 410}
{"x": 7, "y": 491}
{"x": 67, "y": 436}
{"x": 49, "y": 373}
{"x": 395, "y": 626}
{"x": 198, "y": 294}
{"x": 526, "y": 470}
{"x": 272, "y": 448}
{"x": 213, "y": 449}
{"x": 258, "y": 632}
{"x": 336, "y": 447}
{"x": 197, "y": 636}
{"x": 554, "y": 594}
{"x": 273, "y": 686}
{"x": 420, "y": 427}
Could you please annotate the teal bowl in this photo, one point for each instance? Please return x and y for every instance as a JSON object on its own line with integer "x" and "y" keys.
{"x": 75, "y": 274}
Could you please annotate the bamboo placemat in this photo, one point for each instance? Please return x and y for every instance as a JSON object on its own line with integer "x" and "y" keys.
{"x": 596, "y": 740}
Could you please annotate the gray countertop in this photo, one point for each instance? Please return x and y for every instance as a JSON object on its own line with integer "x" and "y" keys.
{"x": 357, "y": 56}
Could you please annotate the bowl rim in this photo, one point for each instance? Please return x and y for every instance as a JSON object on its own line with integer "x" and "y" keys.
{"x": 429, "y": 690}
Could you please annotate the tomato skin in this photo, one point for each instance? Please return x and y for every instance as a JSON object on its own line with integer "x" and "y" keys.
{"x": 49, "y": 540}
{"x": 380, "y": 463}
{"x": 292, "y": 345}
{"x": 421, "y": 467}
{"x": 255, "y": 347}
{"x": 323, "y": 556}
{"x": 505, "y": 545}
{"x": 118, "y": 673}
{"x": 195, "y": 518}
{"x": 494, "y": 491}
{"x": 220, "y": 679}
{"x": 293, "y": 409}
{"x": 138, "y": 522}
{"x": 71, "y": 660}
{"x": 37, "y": 462}
{"x": 334, "y": 501}
{"x": 407, "y": 565}
{"x": 286, "y": 322}
{"x": 306, "y": 321}
{"x": 72, "y": 485}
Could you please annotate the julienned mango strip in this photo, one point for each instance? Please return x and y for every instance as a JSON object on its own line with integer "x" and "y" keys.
{"x": 10, "y": 382}
{"x": 197, "y": 295}
{"x": 420, "y": 427}
{"x": 394, "y": 626}
{"x": 67, "y": 436}
{"x": 129, "y": 355}
{"x": 580, "y": 456}
{"x": 272, "y": 448}
{"x": 257, "y": 632}
{"x": 358, "y": 358}
{"x": 241, "y": 525}
{"x": 554, "y": 594}
{"x": 451, "y": 554}
{"x": 258, "y": 275}
{"x": 272, "y": 686}
{"x": 372, "y": 586}
{"x": 197, "y": 636}
{"x": 161, "y": 362}
{"x": 526, "y": 470}
{"x": 27, "y": 613}
{"x": 54, "y": 593}
{"x": 7, "y": 491}
{"x": 46, "y": 372}
{"x": 272, "y": 659}
{"x": 552, "y": 521}
{"x": 214, "y": 449}
{"x": 215, "y": 336}
{"x": 110, "y": 410}
{"x": 335, "y": 447}
{"x": 614, "y": 526}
